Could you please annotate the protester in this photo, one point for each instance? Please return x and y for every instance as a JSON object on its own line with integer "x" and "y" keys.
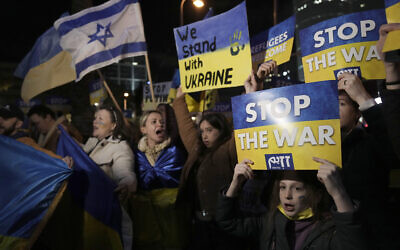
{"x": 210, "y": 163}
{"x": 391, "y": 94}
{"x": 159, "y": 162}
{"x": 11, "y": 124}
{"x": 211, "y": 158}
{"x": 297, "y": 218}
{"x": 111, "y": 152}
{"x": 367, "y": 158}
{"x": 44, "y": 120}
{"x": 12, "y": 121}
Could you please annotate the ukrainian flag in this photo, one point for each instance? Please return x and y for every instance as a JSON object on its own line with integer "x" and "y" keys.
{"x": 31, "y": 185}
{"x": 89, "y": 215}
{"x": 46, "y": 66}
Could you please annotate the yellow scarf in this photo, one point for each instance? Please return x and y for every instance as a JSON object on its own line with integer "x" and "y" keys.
{"x": 305, "y": 214}
{"x": 152, "y": 153}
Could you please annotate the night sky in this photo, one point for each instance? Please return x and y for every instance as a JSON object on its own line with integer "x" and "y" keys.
{"x": 24, "y": 21}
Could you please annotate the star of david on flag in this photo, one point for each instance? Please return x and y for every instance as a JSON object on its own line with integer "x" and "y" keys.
{"x": 101, "y": 38}
{"x": 102, "y": 35}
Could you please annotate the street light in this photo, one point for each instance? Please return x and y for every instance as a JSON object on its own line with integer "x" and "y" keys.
{"x": 126, "y": 95}
{"x": 197, "y": 3}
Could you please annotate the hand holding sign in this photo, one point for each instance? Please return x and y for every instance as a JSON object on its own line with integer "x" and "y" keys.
{"x": 392, "y": 73}
{"x": 266, "y": 68}
{"x": 242, "y": 172}
{"x": 329, "y": 175}
{"x": 353, "y": 87}
{"x": 255, "y": 81}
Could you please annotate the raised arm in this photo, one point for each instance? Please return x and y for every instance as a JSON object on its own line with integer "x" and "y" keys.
{"x": 242, "y": 173}
{"x": 226, "y": 215}
{"x": 187, "y": 129}
{"x": 329, "y": 175}
{"x": 255, "y": 81}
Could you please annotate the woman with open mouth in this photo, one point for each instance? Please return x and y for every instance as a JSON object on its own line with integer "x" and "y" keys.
{"x": 158, "y": 162}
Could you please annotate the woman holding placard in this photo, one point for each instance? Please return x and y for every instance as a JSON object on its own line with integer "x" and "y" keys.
{"x": 209, "y": 167}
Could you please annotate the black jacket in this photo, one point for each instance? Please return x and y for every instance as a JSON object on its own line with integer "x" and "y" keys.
{"x": 368, "y": 156}
{"x": 391, "y": 110}
{"x": 342, "y": 231}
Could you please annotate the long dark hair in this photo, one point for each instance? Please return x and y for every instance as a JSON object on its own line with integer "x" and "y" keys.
{"x": 116, "y": 117}
{"x": 317, "y": 196}
{"x": 218, "y": 121}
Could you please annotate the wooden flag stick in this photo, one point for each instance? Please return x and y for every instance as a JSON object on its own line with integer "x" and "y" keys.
{"x": 149, "y": 74}
{"x": 109, "y": 90}
{"x": 113, "y": 98}
{"x": 204, "y": 100}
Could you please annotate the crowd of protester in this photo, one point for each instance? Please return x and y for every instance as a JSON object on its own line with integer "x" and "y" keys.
{"x": 181, "y": 186}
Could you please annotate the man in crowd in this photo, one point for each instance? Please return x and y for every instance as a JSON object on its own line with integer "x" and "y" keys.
{"x": 44, "y": 119}
{"x": 12, "y": 121}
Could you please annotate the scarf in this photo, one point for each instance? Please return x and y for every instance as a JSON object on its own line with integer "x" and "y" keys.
{"x": 305, "y": 214}
{"x": 152, "y": 153}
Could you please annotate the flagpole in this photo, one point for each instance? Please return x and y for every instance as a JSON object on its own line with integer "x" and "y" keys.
{"x": 109, "y": 90}
{"x": 149, "y": 74}
{"x": 204, "y": 100}
{"x": 112, "y": 97}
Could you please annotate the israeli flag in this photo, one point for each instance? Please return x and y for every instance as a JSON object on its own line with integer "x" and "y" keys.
{"x": 102, "y": 35}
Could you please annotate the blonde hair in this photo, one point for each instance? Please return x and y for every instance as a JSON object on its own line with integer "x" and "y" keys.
{"x": 143, "y": 118}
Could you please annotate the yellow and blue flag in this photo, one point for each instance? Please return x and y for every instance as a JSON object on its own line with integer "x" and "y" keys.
{"x": 45, "y": 67}
{"x": 32, "y": 183}
{"x": 214, "y": 53}
{"x": 275, "y": 43}
{"x": 343, "y": 44}
{"x": 89, "y": 214}
{"x": 282, "y": 128}
{"x": 102, "y": 35}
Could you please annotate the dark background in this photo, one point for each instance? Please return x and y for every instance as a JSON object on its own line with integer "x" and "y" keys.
{"x": 24, "y": 21}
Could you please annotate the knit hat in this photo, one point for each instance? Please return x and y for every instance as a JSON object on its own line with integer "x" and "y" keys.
{"x": 306, "y": 176}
